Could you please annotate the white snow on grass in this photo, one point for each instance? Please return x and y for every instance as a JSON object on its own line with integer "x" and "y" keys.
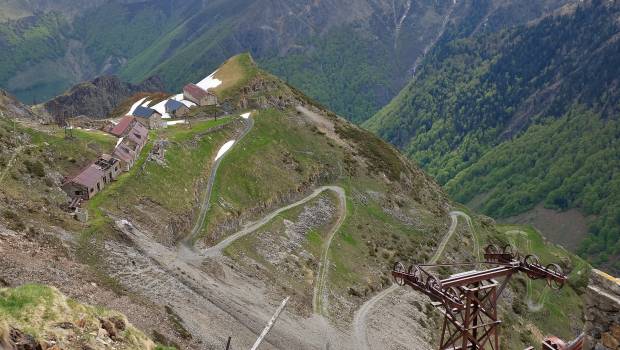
{"x": 209, "y": 82}
{"x": 175, "y": 122}
{"x": 224, "y": 149}
{"x": 245, "y": 115}
{"x": 181, "y": 99}
{"x": 119, "y": 141}
{"x": 135, "y": 105}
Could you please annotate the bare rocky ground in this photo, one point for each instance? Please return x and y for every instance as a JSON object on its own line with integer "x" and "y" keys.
{"x": 402, "y": 320}
{"x": 46, "y": 259}
{"x": 210, "y": 307}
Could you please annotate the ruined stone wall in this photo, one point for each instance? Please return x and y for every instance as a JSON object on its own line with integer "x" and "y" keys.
{"x": 602, "y": 312}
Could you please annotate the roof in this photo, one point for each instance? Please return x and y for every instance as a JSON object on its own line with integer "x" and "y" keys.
{"x": 195, "y": 91}
{"x": 138, "y": 134}
{"x": 123, "y": 153}
{"x": 89, "y": 176}
{"x": 173, "y": 105}
{"x": 144, "y": 112}
{"x": 120, "y": 128}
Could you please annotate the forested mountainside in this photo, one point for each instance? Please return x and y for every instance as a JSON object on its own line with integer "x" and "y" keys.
{"x": 220, "y": 219}
{"x": 354, "y": 56}
{"x": 513, "y": 119}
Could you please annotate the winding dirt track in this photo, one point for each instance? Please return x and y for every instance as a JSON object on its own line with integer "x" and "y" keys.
{"x": 206, "y": 201}
{"x": 361, "y": 316}
{"x": 319, "y": 299}
{"x": 217, "y": 249}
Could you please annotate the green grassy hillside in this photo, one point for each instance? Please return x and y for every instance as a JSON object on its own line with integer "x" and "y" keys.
{"x": 516, "y": 119}
{"x": 52, "y": 319}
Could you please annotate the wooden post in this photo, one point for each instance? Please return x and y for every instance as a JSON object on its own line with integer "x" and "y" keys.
{"x": 270, "y": 324}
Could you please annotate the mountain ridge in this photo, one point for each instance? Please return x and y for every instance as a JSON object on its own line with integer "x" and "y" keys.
{"x": 329, "y": 255}
{"x": 329, "y": 49}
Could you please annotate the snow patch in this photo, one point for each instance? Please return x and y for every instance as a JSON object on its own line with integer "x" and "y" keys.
{"x": 135, "y": 105}
{"x": 146, "y": 104}
{"x": 181, "y": 98}
{"x": 119, "y": 141}
{"x": 165, "y": 116}
{"x": 245, "y": 115}
{"x": 160, "y": 107}
{"x": 224, "y": 149}
{"x": 175, "y": 122}
{"x": 209, "y": 82}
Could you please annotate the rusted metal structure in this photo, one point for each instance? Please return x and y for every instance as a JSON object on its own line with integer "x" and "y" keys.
{"x": 468, "y": 300}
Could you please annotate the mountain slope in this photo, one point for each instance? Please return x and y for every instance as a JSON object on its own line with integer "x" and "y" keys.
{"x": 280, "y": 197}
{"x": 353, "y": 56}
{"x": 531, "y": 84}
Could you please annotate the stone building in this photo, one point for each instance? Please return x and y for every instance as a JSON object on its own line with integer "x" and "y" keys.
{"x": 129, "y": 148}
{"x": 196, "y": 94}
{"x": 124, "y": 125}
{"x": 176, "y": 109}
{"x": 88, "y": 182}
{"x": 148, "y": 117}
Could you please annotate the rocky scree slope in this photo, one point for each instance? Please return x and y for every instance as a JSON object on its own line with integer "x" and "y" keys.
{"x": 512, "y": 120}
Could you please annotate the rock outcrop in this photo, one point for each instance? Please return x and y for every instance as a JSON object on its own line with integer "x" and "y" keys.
{"x": 11, "y": 107}
{"x": 602, "y": 312}
{"x": 97, "y": 98}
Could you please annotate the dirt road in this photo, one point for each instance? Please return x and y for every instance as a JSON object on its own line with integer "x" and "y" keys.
{"x": 319, "y": 303}
{"x": 217, "y": 249}
{"x": 206, "y": 201}
{"x": 360, "y": 319}
{"x": 319, "y": 299}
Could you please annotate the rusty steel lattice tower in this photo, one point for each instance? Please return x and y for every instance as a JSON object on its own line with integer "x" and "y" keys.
{"x": 468, "y": 300}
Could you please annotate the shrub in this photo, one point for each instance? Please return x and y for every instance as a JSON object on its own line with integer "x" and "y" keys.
{"x": 35, "y": 168}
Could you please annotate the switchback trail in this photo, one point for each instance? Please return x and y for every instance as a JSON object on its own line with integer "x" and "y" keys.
{"x": 217, "y": 249}
{"x": 361, "y": 316}
{"x": 532, "y": 305}
{"x": 319, "y": 297}
{"x": 471, "y": 228}
{"x": 206, "y": 201}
